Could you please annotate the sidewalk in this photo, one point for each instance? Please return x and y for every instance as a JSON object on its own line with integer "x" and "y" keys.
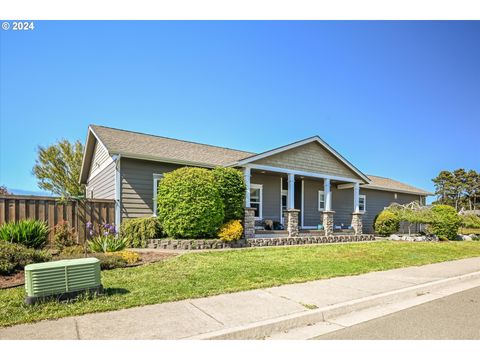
{"x": 196, "y": 318}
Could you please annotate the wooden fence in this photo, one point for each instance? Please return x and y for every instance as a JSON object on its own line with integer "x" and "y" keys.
{"x": 53, "y": 211}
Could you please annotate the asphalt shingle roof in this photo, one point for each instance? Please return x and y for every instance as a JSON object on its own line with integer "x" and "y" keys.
{"x": 134, "y": 144}
{"x": 386, "y": 183}
{"x": 151, "y": 146}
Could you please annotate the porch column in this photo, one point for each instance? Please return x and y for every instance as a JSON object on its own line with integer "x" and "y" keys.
{"x": 328, "y": 195}
{"x": 246, "y": 174}
{"x": 292, "y": 222}
{"x": 291, "y": 192}
{"x": 357, "y": 224}
{"x": 291, "y": 213}
{"x": 356, "y": 197}
{"x": 327, "y": 213}
{"x": 249, "y": 223}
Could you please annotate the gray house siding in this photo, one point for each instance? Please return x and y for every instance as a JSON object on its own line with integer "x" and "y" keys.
{"x": 271, "y": 195}
{"x": 311, "y": 217}
{"x": 100, "y": 156}
{"x": 376, "y": 201}
{"x": 102, "y": 185}
{"x": 137, "y": 185}
{"x": 342, "y": 204}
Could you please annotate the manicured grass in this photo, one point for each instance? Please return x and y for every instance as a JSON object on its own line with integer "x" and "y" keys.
{"x": 209, "y": 273}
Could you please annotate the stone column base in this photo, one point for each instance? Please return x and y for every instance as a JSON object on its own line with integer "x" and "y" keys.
{"x": 292, "y": 221}
{"x": 357, "y": 224}
{"x": 328, "y": 222}
{"x": 249, "y": 223}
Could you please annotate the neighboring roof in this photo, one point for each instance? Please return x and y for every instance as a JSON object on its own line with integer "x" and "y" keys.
{"x": 383, "y": 183}
{"x": 144, "y": 146}
{"x": 139, "y": 145}
{"x": 317, "y": 139}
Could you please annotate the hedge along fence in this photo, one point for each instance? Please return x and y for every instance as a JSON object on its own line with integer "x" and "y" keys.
{"x": 53, "y": 211}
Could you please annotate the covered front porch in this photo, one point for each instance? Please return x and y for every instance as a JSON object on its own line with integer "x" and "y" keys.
{"x": 287, "y": 202}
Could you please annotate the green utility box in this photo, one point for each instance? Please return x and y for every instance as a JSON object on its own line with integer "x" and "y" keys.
{"x": 63, "y": 279}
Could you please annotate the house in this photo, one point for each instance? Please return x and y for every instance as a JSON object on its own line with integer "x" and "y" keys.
{"x": 302, "y": 185}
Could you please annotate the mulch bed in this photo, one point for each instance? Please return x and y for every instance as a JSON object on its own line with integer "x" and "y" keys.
{"x": 18, "y": 278}
{"x": 9, "y": 281}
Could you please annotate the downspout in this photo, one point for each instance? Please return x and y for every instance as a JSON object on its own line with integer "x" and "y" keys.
{"x": 118, "y": 192}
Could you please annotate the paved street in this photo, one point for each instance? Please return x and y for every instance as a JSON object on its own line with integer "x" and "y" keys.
{"x": 453, "y": 317}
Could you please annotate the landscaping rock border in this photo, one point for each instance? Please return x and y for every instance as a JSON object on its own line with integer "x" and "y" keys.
{"x": 171, "y": 244}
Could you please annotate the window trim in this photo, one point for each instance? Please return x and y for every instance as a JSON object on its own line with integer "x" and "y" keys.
{"x": 155, "y": 177}
{"x": 364, "y": 203}
{"x": 321, "y": 192}
{"x": 258, "y": 187}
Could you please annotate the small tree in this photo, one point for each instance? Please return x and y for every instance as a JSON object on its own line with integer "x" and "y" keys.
{"x": 4, "y": 190}
{"x": 58, "y": 168}
{"x": 231, "y": 186}
{"x": 413, "y": 213}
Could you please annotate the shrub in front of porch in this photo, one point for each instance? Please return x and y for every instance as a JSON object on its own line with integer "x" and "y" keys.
{"x": 189, "y": 204}
{"x": 231, "y": 186}
{"x": 231, "y": 231}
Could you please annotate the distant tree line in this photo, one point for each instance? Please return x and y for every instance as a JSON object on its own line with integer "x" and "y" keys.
{"x": 458, "y": 188}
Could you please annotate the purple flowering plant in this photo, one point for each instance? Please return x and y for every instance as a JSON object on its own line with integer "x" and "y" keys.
{"x": 101, "y": 230}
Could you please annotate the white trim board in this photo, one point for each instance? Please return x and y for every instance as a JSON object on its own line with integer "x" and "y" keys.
{"x": 374, "y": 187}
{"x": 118, "y": 194}
{"x": 155, "y": 177}
{"x": 301, "y": 173}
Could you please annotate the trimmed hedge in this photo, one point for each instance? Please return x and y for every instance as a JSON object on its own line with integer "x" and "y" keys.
{"x": 445, "y": 222}
{"x": 189, "y": 204}
{"x": 387, "y": 223}
{"x": 231, "y": 186}
{"x": 137, "y": 231}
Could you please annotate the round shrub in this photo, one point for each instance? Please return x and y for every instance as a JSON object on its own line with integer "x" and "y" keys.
{"x": 137, "y": 231}
{"x": 189, "y": 204}
{"x": 14, "y": 257}
{"x": 387, "y": 223}
{"x": 231, "y": 231}
{"x": 445, "y": 222}
{"x": 231, "y": 186}
{"x": 28, "y": 232}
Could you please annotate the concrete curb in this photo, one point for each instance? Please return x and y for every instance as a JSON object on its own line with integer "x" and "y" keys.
{"x": 262, "y": 329}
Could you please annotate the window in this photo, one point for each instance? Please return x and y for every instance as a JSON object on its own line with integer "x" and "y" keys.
{"x": 256, "y": 199}
{"x": 362, "y": 203}
{"x": 156, "y": 180}
{"x": 284, "y": 203}
{"x": 321, "y": 200}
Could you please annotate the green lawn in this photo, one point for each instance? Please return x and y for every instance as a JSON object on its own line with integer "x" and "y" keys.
{"x": 209, "y": 273}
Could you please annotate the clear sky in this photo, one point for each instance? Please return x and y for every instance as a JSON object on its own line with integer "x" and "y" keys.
{"x": 397, "y": 99}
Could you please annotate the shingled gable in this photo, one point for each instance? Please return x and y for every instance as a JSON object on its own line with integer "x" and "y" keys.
{"x": 312, "y": 155}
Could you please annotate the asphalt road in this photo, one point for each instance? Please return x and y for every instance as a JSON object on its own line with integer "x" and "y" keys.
{"x": 453, "y": 317}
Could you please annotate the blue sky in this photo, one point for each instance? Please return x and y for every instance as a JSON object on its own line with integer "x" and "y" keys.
{"x": 398, "y": 99}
